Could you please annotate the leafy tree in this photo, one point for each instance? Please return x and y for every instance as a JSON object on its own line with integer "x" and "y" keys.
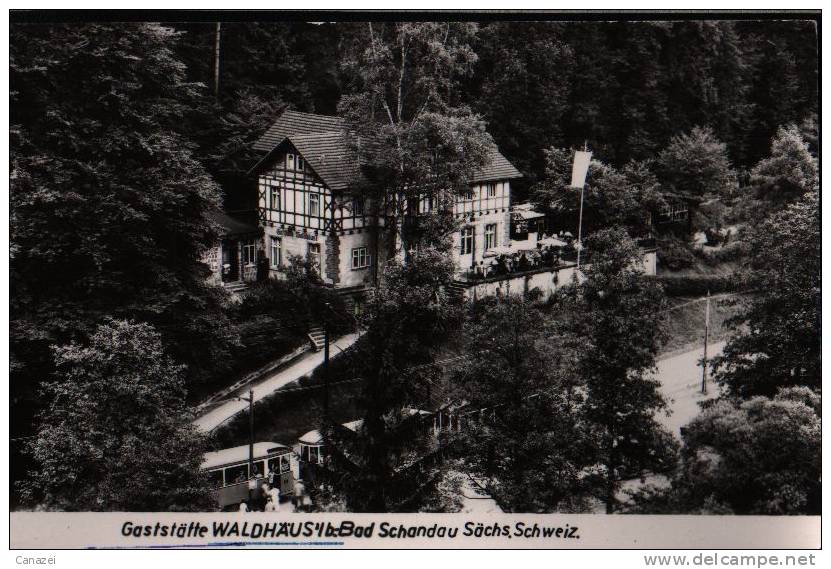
{"x": 695, "y": 166}
{"x": 389, "y": 462}
{"x": 780, "y": 342}
{"x": 109, "y": 208}
{"x": 410, "y": 138}
{"x": 616, "y": 314}
{"x": 117, "y": 434}
{"x": 809, "y": 129}
{"x": 611, "y": 197}
{"x": 758, "y": 457}
{"x": 791, "y": 170}
{"x": 529, "y": 447}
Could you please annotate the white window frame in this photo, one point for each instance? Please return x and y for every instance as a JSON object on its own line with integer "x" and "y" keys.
{"x": 314, "y": 198}
{"x": 276, "y": 260}
{"x": 490, "y": 236}
{"x": 466, "y": 240}
{"x": 290, "y": 162}
{"x": 361, "y": 258}
{"x": 313, "y": 253}
{"x": 249, "y": 259}
{"x": 490, "y": 189}
{"x": 274, "y": 198}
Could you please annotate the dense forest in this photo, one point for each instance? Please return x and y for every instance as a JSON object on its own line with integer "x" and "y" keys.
{"x": 624, "y": 88}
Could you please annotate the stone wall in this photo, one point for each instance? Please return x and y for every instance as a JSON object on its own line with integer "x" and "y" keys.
{"x": 332, "y": 258}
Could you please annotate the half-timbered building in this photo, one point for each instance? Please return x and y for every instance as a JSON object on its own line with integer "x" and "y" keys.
{"x": 308, "y": 207}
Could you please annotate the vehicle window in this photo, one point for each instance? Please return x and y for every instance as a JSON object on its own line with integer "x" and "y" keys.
{"x": 274, "y": 464}
{"x": 236, "y": 474}
{"x": 215, "y": 476}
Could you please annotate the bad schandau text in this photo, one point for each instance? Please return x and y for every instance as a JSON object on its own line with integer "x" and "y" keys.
{"x": 347, "y": 529}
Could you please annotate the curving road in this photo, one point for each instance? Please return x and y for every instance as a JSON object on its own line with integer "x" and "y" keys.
{"x": 680, "y": 378}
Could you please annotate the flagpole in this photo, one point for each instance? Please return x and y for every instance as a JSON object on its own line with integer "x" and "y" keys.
{"x": 580, "y": 227}
{"x": 706, "y": 338}
{"x": 580, "y": 220}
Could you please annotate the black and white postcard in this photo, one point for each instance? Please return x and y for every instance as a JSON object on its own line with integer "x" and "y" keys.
{"x": 414, "y": 280}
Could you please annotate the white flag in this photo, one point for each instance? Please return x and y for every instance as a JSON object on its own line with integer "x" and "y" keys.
{"x": 580, "y": 168}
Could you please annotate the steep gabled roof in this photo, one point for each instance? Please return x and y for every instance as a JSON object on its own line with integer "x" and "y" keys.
{"x": 320, "y": 140}
{"x": 293, "y": 123}
{"x": 498, "y": 169}
{"x": 328, "y": 156}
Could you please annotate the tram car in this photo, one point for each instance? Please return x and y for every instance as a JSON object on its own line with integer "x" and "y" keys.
{"x": 228, "y": 469}
{"x": 310, "y": 450}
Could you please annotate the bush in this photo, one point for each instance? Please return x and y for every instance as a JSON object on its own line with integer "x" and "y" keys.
{"x": 274, "y": 317}
{"x": 674, "y": 254}
{"x": 696, "y": 285}
{"x": 730, "y": 252}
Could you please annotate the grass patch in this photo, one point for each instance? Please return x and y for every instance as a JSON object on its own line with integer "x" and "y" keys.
{"x": 686, "y": 319}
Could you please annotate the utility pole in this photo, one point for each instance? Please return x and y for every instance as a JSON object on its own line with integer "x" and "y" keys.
{"x": 251, "y": 431}
{"x": 580, "y": 227}
{"x": 706, "y": 339}
{"x": 250, "y": 400}
{"x": 326, "y": 365}
{"x": 218, "y": 35}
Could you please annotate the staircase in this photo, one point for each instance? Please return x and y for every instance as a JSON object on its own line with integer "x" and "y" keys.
{"x": 236, "y": 287}
{"x": 457, "y": 290}
{"x": 318, "y": 338}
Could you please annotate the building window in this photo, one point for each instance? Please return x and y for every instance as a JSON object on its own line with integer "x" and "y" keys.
{"x": 673, "y": 212}
{"x": 313, "y": 255}
{"x": 490, "y": 236}
{"x": 468, "y": 195}
{"x": 314, "y": 205}
{"x": 290, "y": 161}
{"x": 301, "y": 164}
{"x": 360, "y": 258}
{"x": 276, "y": 252}
{"x": 358, "y": 207}
{"x": 467, "y": 241}
{"x": 249, "y": 253}
{"x": 275, "y": 197}
{"x": 491, "y": 189}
